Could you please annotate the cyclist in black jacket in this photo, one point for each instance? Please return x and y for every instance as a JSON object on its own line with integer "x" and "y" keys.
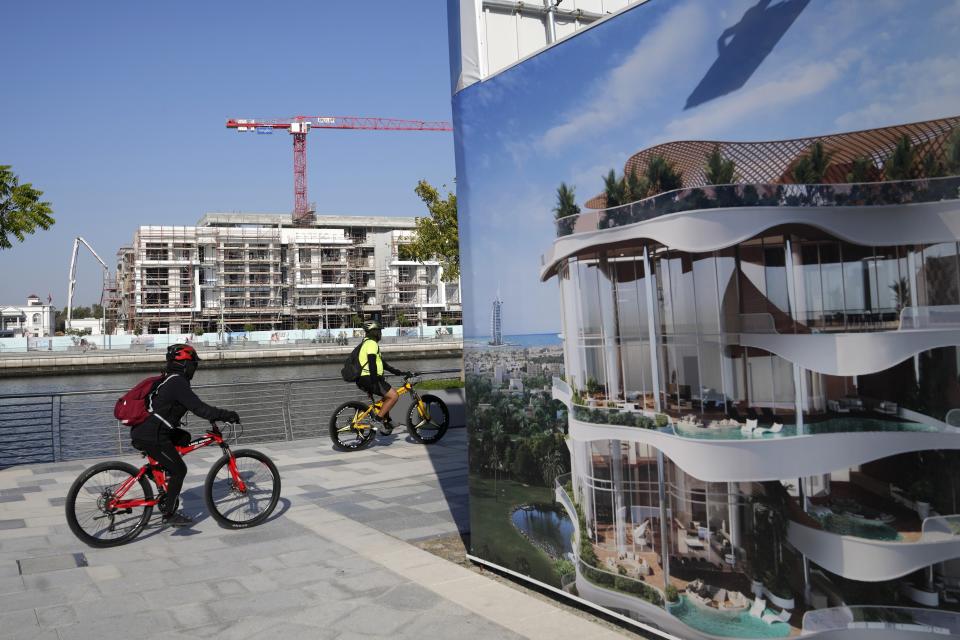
{"x": 160, "y": 434}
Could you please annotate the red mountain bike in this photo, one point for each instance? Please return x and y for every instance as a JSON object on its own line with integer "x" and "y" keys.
{"x": 111, "y": 502}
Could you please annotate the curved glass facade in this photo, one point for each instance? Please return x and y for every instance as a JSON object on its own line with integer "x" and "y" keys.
{"x": 662, "y": 332}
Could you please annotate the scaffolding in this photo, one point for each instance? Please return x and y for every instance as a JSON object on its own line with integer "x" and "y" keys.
{"x": 239, "y": 272}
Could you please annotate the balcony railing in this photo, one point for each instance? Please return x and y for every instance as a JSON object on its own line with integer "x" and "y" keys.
{"x": 890, "y": 618}
{"x": 764, "y": 195}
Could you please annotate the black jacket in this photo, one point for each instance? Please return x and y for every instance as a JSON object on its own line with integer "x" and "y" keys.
{"x": 173, "y": 399}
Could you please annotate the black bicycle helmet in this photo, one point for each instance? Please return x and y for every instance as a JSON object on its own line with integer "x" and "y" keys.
{"x": 182, "y": 359}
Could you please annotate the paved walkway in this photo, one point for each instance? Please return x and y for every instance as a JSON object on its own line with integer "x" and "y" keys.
{"x": 331, "y": 563}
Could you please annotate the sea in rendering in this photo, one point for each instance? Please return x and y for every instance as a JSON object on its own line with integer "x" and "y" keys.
{"x": 516, "y": 341}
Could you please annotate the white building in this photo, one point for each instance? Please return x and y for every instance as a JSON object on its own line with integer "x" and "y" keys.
{"x": 92, "y": 326}
{"x": 236, "y": 270}
{"x": 33, "y": 320}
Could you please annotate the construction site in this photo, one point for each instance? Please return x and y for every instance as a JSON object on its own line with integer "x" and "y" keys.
{"x": 252, "y": 272}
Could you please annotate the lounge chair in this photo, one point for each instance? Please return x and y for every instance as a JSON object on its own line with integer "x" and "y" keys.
{"x": 737, "y": 600}
{"x": 749, "y": 427}
{"x": 776, "y": 428}
{"x": 720, "y": 597}
{"x": 783, "y": 616}
{"x": 836, "y": 407}
{"x": 757, "y": 609}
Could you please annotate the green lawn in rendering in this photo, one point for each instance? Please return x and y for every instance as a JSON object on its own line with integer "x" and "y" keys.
{"x": 493, "y": 536}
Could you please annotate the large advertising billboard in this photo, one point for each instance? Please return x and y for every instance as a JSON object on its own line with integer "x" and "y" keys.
{"x": 712, "y": 317}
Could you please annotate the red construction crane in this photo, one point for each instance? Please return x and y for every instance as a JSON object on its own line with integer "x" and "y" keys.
{"x": 299, "y": 127}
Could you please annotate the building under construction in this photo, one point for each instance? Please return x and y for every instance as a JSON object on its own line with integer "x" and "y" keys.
{"x": 239, "y": 271}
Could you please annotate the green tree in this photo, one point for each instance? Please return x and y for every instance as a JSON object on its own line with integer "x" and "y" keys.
{"x": 436, "y": 237}
{"x": 662, "y": 175}
{"x": 719, "y": 170}
{"x": 635, "y": 186}
{"x": 21, "y": 210}
{"x": 812, "y": 168}
{"x": 566, "y": 202}
{"x": 401, "y": 319}
{"x": 551, "y": 466}
{"x": 952, "y": 153}
{"x": 614, "y": 189}
{"x": 933, "y": 167}
{"x": 899, "y": 166}
{"x": 861, "y": 170}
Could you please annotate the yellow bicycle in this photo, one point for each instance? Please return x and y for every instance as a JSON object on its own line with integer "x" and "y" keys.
{"x": 352, "y": 425}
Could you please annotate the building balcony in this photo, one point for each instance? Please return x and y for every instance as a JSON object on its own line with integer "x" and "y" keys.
{"x": 712, "y": 218}
{"x": 850, "y": 352}
{"x": 856, "y": 622}
{"x": 870, "y": 560}
{"x": 732, "y": 196}
{"x": 728, "y": 453}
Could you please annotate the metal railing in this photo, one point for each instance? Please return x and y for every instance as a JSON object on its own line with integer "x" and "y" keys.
{"x": 764, "y": 195}
{"x": 84, "y": 344}
{"x": 50, "y": 427}
{"x": 875, "y": 617}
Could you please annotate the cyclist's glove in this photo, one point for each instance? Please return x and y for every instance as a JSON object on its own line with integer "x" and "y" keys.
{"x": 231, "y": 416}
{"x": 408, "y": 374}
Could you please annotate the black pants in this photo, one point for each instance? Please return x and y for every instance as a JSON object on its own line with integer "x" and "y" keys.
{"x": 160, "y": 444}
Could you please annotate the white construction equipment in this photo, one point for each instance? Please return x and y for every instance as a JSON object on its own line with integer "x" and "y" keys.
{"x": 73, "y": 283}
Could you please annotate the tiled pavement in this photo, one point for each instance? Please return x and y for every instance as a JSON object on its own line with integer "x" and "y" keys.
{"x": 331, "y": 563}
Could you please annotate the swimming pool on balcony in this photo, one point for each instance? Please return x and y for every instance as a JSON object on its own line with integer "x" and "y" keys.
{"x": 840, "y": 424}
{"x": 852, "y": 424}
{"x": 727, "y": 624}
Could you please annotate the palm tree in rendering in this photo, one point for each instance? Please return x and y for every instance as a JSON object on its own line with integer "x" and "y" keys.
{"x": 662, "y": 175}
{"x": 566, "y": 208}
{"x": 615, "y": 190}
{"x": 496, "y": 441}
{"x": 812, "y": 168}
{"x": 719, "y": 170}
{"x": 900, "y": 164}
{"x": 551, "y": 466}
{"x": 861, "y": 170}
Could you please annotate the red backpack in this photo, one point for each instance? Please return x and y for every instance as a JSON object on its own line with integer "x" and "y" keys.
{"x": 132, "y": 409}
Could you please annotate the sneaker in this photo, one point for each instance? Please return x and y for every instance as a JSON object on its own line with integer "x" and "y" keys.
{"x": 177, "y": 519}
{"x": 385, "y": 425}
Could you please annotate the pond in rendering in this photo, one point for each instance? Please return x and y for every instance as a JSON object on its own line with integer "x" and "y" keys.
{"x": 546, "y": 526}
{"x": 727, "y": 624}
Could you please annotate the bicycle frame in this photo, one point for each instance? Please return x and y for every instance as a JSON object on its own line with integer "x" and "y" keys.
{"x": 159, "y": 478}
{"x": 406, "y": 387}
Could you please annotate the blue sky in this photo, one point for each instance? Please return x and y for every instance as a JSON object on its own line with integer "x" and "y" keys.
{"x": 583, "y": 107}
{"x": 116, "y": 110}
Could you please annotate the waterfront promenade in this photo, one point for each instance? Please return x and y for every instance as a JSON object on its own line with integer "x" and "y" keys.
{"x": 336, "y": 560}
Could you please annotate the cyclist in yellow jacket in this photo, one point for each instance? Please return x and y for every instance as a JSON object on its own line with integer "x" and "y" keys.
{"x": 371, "y": 377}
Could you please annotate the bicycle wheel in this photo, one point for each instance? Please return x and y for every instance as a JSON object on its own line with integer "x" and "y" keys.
{"x": 238, "y": 509}
{"x": 86, "y": 507}
{"x": 349, "y": 432}
{"x": 429, "y": 425}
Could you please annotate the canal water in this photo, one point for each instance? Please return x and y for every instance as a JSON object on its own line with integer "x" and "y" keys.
{"x": 274, "y": 373}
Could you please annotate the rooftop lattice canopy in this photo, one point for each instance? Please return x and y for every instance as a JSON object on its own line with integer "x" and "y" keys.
{"x": 773, "y": 161}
